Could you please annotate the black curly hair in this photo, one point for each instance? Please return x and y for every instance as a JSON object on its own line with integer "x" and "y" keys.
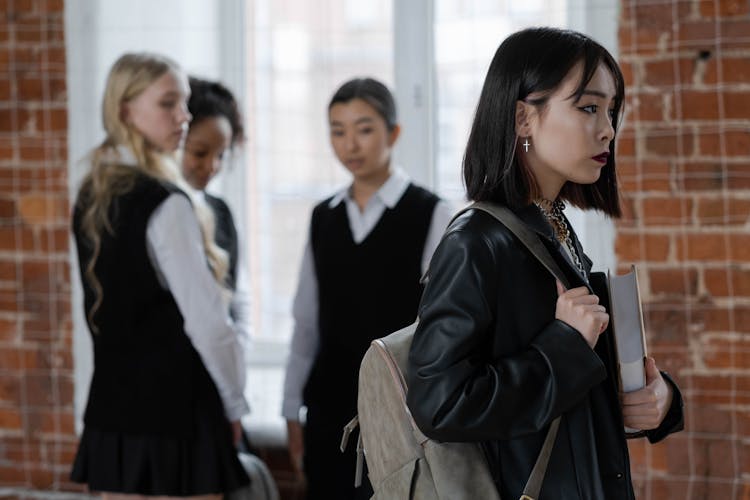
{"x": 209, "y": 99}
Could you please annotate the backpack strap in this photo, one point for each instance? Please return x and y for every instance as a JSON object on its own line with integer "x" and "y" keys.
{"x": 532, "y": 242}
{"x": 529, "y": 238}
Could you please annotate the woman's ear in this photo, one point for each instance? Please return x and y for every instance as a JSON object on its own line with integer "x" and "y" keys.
{"x": 393, "y": 135}
{"x": 524, "y": 112}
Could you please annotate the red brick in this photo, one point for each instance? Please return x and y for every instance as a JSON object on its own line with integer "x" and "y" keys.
{"x": 8, "y": 330}
{"x": 713, "y": 458}
{"x": 712, "y": 319}
{"x": 735, "y": 69}
{"x": 7, "y": 209}
{"x": 45, "y": 276}
{"x": 738, "y": 143}
{"x": 738, "y": 176}
{"x": 699, "y": 105}
{"x": 742, "y": 325}
{"x": 703, "y": 176}
{"x": 661, "y": 211}
{"x": 666, "y": 325}
{"x": 10, "y": 391}
{"x": 655, "y": 246}
{"x": 651, "y": 107}
{"x": 739, "y": 245}
{"x": 723, "y": 8}
{"x": 6, "y": 120}
{"x": 723, "y": 211}
{"x": 668, "y": 142}
{"x": 10, "y": 419}
{"x": 661, "y": 73}
{"x": 682, "y": 281}
{"x": 625, "y": 146}
{"x": 702, "y": 247}
{"x": 30, "y": 88}
{"x": 655, "y": 176}
{"x": 736, "y": 105}
{"x": 54, "y": 239}
{"x": 42, "y": 209}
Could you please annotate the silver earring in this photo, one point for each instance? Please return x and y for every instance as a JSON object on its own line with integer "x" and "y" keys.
{"x": 526, "y": 144}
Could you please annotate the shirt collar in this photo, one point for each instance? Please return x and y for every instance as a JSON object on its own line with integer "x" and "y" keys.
{"x": 120, "y": 154}
{"x": 389, "y": 193}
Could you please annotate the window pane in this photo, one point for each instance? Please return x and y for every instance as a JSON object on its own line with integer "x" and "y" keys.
{"x": 300, "y": 52}
{"x": 467, "y": 33}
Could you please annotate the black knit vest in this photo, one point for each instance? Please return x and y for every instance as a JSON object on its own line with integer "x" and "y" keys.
{"x": 365, "y": 290}
{"x": 146, "y": 371}
{"x": 225, "y": 235}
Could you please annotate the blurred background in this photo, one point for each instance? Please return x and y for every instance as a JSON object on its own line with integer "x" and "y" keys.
{"x": 683, "y": 158}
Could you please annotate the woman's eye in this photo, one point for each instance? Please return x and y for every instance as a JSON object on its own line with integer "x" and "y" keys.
{"x": 337, "y": 133}
{"x": 167, "y": 104}
{"x": 591, "y": 108}
{"x": 365, "y": 130}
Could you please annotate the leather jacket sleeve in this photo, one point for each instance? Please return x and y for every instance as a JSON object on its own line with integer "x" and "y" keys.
{"x": 460, "y": 387}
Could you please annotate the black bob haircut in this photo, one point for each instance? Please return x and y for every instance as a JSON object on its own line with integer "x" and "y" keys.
{"x": 528, "y": 61}
{"x": 210, "y": 99}
{"x": 373, "y": 93}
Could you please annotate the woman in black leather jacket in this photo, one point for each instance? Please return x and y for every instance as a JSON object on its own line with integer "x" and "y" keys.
{"x": 502, "y": 349}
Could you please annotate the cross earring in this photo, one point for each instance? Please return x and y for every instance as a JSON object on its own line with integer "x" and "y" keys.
{"x": 526, "y": 145}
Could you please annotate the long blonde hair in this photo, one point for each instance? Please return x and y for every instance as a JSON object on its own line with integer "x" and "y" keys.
{"x": 130, "y": 75}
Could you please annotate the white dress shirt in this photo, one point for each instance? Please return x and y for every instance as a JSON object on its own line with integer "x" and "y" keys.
{"x": 305, "y": 337}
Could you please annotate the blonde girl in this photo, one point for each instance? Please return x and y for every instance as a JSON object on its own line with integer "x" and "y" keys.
{"x": 166, "y": 395}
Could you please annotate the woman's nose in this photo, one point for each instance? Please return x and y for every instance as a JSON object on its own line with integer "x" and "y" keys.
{"x": 608, "y": 130}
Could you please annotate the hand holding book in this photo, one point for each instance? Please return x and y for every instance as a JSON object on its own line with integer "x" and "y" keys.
{"x": 645, "y": 408}
{"x": 645, "y": 397}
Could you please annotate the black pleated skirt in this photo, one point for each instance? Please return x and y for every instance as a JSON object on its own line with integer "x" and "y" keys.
{"x": 204, "y": 464}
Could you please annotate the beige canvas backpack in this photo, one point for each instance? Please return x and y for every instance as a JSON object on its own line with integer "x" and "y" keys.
{"x": 404, "y": 464}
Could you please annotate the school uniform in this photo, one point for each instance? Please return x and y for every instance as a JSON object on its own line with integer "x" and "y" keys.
{"x": 168, "y": 371}
{"x": 226, "y": 237}
{"x": 359, "y": 281}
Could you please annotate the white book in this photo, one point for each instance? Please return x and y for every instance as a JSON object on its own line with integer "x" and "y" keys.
{"x": 626, "y": 320}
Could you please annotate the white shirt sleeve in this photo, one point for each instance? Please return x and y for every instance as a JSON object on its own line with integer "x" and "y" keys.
{"x": 305, "y": 337}
{"x": 441, "y": 216}
{"x": 240, "y": 306}
{"x": 176, "y": 248}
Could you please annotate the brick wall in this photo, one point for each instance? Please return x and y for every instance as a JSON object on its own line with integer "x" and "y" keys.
{"x": 684, "y": 159}
{"x": 36, "y": 370}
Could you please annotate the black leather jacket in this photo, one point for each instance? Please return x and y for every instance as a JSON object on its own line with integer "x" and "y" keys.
{"x": 490, "y": 363}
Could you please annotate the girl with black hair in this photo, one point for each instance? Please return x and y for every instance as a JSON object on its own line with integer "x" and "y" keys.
{"x": 216, "y": 128}
{"x": 360, "y": 279}
{"x": 502, "y": 349}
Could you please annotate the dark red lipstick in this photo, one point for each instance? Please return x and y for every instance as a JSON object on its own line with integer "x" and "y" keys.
{"x": 601, "y": 158}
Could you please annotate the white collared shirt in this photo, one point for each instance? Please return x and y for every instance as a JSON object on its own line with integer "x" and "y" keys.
{"x": 306, "y": 335}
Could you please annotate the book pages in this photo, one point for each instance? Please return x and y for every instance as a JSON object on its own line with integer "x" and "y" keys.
{"x": 626, "y": 320}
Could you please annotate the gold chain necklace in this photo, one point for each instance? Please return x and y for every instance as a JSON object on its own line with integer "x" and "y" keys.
{"x": 553, "y": 211}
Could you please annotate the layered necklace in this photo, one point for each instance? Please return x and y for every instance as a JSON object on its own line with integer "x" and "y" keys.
{"x": 553, "y": 211}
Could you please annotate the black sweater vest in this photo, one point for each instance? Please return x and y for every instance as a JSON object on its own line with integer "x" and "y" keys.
{"x": 225, "y": 235}
{"x": 365, "y": 290}
{"x": 148, "y": 378}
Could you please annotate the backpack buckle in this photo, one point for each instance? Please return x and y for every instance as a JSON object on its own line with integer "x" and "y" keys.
{"x": 348, "y": 429}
